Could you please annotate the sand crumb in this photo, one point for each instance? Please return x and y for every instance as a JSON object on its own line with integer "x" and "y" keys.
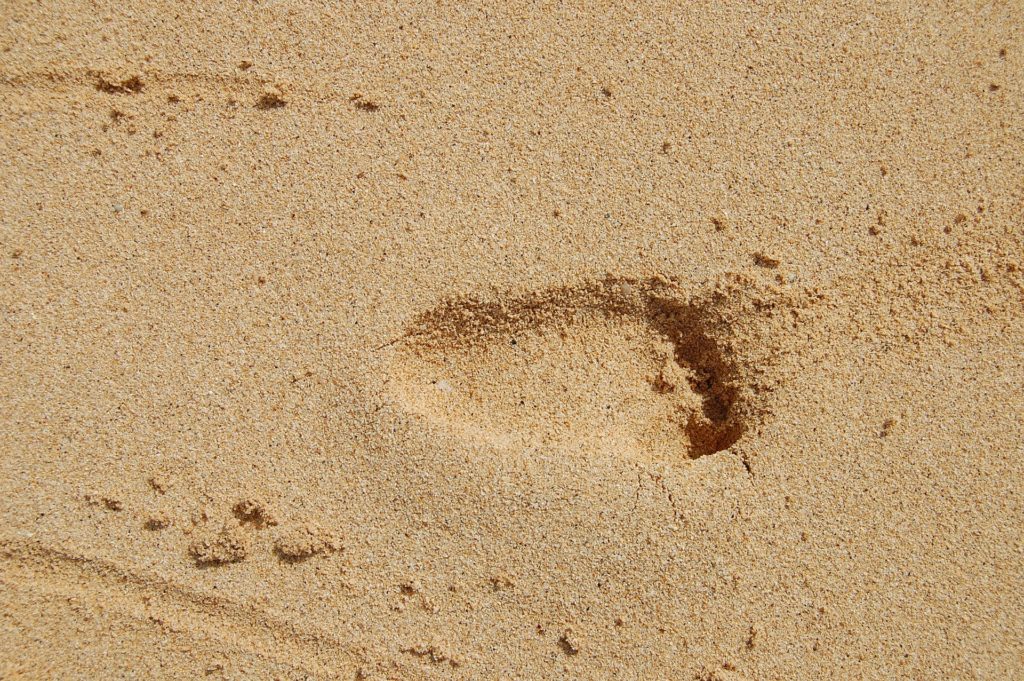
{"x": 302, "y": 543}
{"x": 250, "y": 512}
{"x": 227, "y": 545}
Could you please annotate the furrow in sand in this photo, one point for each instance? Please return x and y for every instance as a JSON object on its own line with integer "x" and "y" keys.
{"x": 33, "y": 567}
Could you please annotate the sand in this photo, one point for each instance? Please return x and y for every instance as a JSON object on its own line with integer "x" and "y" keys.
{"x": 493, "y": 341}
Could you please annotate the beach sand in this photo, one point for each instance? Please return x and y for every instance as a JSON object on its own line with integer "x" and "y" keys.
{"x": 512, "y": 341}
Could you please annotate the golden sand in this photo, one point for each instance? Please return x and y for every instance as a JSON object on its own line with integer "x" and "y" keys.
{"x": 494, "y": 341}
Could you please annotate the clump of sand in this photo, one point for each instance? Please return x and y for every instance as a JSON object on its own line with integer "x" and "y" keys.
{"x": 300, "y": 543}
{"x": 226, "y": 545}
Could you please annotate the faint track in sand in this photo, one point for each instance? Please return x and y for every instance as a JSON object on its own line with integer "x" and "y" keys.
{"x": 143, "y": 83}
{"x": 52, "y": 573}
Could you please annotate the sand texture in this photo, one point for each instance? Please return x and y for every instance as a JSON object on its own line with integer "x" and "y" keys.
{"x": 441, "y": 340}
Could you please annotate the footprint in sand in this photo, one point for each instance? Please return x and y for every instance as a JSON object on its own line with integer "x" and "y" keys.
{"x": 627, "y": 365}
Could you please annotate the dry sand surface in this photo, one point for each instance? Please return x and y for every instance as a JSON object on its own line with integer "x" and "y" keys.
{"x": 511, "y": 341}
